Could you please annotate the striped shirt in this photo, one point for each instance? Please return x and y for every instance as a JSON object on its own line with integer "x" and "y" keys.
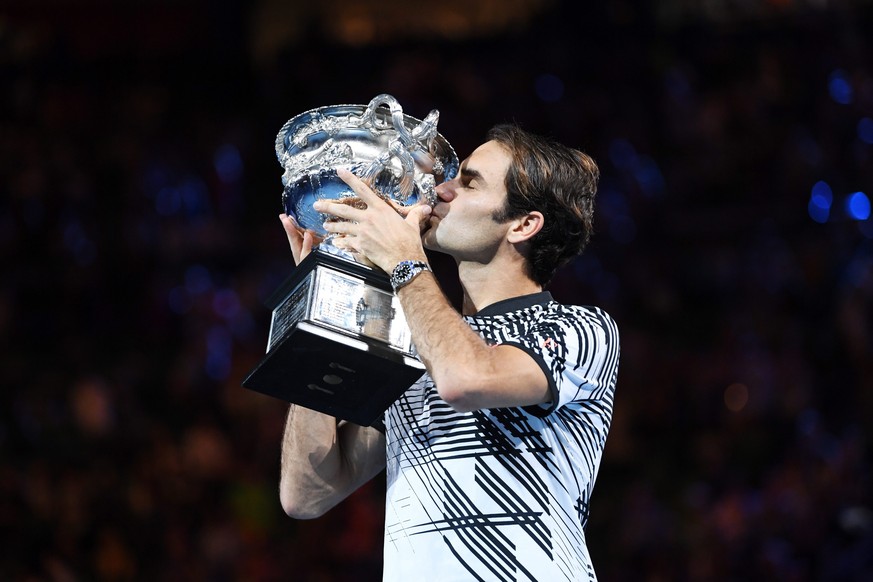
{"x": 503, "y": 494}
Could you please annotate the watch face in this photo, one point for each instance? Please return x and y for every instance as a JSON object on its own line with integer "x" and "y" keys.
{"x": 405, "y": 271}
{"x": 401, "y": 274}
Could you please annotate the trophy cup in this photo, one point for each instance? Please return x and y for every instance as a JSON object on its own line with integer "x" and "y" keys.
{"x": 338, "y": 341}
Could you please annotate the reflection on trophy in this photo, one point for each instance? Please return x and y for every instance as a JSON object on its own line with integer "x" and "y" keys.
{"x": 338, "y": 342}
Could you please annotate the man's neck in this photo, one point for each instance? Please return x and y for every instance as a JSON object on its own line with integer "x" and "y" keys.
{"x": 485, "y": 285}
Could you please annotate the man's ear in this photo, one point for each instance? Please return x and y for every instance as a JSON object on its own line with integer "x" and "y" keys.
{"x": 525, "y": 227}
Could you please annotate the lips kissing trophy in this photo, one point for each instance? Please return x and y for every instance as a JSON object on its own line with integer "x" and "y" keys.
{"x": 338, "y": 341}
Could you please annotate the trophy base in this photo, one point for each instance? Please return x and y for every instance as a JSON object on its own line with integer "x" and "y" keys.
{"x": 328, "y": 353}
{"x": 329, "y": 372}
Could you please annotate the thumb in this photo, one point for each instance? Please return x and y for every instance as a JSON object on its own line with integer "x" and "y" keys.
{"x": 418, "y": 214}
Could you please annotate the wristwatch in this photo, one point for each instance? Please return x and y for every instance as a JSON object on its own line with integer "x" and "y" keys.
{"x": 406, "y": 271}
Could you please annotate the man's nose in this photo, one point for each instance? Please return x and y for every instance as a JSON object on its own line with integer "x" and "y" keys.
{"x": 445, "y": 192}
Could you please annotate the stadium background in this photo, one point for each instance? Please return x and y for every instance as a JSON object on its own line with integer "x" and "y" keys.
{"x": 139, "y": 238}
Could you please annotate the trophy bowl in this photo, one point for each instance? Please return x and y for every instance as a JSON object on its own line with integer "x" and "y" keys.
{"x": 402, "y": 158}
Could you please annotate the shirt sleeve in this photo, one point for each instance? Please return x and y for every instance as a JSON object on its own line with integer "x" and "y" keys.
{"x": 578, "y": 350}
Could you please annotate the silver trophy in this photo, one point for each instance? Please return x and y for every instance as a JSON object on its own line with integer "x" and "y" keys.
{"x": 338, "y": 342}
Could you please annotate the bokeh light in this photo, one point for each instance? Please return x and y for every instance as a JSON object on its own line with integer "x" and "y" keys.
{"x": 736, "y": 397}
{"x": 228, "y": 163}
{"x": 858, "y": 206}
{"x": 820, "y": 200}
{"x": 865, "y": 130}
{"x": 197, "y": 279}
{"x": 839, "y": 87}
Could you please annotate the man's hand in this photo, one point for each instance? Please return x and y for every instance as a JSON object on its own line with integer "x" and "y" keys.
{"x": 301, "y": 241}
{"x": 378, "y": 232}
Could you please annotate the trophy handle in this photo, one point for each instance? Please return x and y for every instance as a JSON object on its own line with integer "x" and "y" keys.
{"x": 368, "y": 117}
{"x": 406, "y": 147}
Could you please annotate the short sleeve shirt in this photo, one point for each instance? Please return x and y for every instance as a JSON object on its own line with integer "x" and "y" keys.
{"x": 503, "y": 494}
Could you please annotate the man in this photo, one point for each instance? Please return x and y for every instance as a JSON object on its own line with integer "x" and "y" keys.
{"x": 493, "y": 453}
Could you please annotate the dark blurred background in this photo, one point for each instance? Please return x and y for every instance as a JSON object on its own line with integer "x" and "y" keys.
{"x": 139, "y": 240}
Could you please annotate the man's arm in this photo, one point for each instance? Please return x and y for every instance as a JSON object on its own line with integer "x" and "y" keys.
{"x": 468, "y": 373}
{"x": 323, "y": 460}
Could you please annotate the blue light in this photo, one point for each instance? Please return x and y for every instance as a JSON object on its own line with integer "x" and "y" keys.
{"x": 228, "y": 163}
{"x": 612, "y": 202}
{"x": 822, "y": 196}
{"x": 817, "y": 213}
{"x": 549, "y": 88}
{"x": 226, "y": 303}
{"x": 820, "y": 200}
{"x": 218, "y": 365}
{"x": 197, "y": 279}
{"x": 194, "y": 196}
{"x": 858, "y": 206}
{"x": 220, "y": 347}
{"x": 839, "y": 87}
{"x": 644, "y": 169}
{"x": 218, "y": 340}
{"x": 649, "y": 176}
{"x": 865, "y": 130}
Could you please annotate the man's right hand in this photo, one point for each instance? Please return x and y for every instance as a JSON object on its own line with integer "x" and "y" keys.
{"x": 301, "y": 241}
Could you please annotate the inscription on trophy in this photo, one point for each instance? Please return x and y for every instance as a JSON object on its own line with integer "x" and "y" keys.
{"x": 289, "y": 313}
{"x": 347, "y": 302}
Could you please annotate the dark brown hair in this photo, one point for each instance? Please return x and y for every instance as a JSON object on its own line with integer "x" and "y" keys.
{"x": 558, "y": 181}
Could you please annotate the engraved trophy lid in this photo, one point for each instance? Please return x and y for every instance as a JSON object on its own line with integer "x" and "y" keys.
{"x": 402, "y": 158}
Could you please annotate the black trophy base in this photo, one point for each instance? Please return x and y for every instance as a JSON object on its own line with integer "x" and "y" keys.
{"x": 330, "y": 372}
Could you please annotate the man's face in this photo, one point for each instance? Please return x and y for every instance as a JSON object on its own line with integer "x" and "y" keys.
{"x": 462, "y": 223}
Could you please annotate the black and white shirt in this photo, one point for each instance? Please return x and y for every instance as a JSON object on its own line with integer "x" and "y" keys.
{"x": 502, "y": 494}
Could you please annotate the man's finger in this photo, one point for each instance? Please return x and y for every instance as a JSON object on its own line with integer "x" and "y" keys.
{"x": 339, "y": 210}
{"x": 288, "y": 223}
{"x": 292, "y": 229}
{"x": 401, "y": 210}
{"x": 307, "y": 243}
{"x": 417, "y": 214}
{"x": 296, "y": 237}
{"x": 339, "y": 227}
{"x": 360, "y": 188}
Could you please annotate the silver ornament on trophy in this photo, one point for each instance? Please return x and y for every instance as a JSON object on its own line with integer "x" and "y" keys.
{"x": 338, "y": 341}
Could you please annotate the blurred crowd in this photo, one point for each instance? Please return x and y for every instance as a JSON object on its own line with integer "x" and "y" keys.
{"x": 139, "y": 240}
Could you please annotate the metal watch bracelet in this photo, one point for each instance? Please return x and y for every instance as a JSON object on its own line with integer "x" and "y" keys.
{"x": 405, "y": 272}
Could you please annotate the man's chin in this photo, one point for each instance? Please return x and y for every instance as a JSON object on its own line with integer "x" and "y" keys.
{"x": 428, "y": 237}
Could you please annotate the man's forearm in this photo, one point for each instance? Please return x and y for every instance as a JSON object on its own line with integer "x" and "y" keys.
{"x": 323, "y": 461}
{"x": 453, "y": 353}
{"x": 469, "y": 374}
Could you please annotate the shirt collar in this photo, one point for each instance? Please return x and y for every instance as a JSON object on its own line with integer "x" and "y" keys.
{"x": 515, "y": 303}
